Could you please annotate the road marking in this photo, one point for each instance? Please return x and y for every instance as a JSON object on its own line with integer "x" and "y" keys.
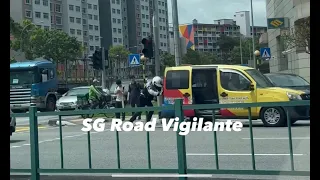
{"x": 161, "y": 175}
{"x": 195, "y": 154}
{"x": 21, "y": 129}
{"x": 277, "y": 138}
{"x": 56, "y": 139}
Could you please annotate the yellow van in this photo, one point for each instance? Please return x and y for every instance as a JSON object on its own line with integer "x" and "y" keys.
{"x": 208, "y": 84}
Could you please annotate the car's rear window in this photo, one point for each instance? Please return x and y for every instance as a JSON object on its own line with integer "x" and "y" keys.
{"x": 177, "y": 79}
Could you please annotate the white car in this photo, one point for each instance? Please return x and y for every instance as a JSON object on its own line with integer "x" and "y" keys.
{"x": 12, "y": 124}
{"x": 68, "y": 101}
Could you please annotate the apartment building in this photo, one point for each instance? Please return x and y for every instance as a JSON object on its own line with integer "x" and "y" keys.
{"x": 242, "y": 19}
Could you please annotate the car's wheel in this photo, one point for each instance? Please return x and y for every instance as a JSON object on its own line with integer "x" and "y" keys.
{"x": 51, "y": 104}
{"x": 273, "y": 117}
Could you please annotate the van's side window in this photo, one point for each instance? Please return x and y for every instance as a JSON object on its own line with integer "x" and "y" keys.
{"x": 178, "y": 79}
{"x": 233, "y": 81}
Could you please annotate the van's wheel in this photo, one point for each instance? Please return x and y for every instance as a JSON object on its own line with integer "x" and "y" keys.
{"x": 273, "y": 117}
{"x": 51, "y": 103}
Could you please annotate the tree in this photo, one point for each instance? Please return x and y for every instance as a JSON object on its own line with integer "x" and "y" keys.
{"x": 298, "y": 36}
{"x": 167, "y": 60}
{"x": 247, "y": 53}
{"x": 118, "y": 54}
{"x": 226, "y": 44}
{"x": 198, "y": 58}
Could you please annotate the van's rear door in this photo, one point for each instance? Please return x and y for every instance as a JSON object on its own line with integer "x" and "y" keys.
{"x": 177, "y": 84}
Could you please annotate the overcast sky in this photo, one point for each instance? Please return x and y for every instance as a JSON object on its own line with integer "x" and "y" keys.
{"x": 206, "y": 11}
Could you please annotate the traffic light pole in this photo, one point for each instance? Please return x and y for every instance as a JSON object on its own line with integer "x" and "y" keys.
{"x": 103, "y": 73}
{"x": 176, "y": 32}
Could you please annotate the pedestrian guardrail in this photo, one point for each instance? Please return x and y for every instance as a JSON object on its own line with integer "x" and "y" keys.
{"x": 182, "y": 169}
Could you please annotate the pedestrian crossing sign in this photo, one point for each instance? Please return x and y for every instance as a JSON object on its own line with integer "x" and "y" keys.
{"x": 134, "y": 59}
{"x": 265, "y": 53}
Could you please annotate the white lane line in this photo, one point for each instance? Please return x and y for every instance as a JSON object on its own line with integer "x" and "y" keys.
{"x": 55, "y": 139}
{"x": 279, "y": 138}
{"x": 162, "y": 175}
{"x": 221, "y": 154}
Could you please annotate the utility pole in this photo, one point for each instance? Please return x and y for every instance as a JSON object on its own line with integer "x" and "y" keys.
{"x": 156, "y": 37}
{"x": 253, "y": 48}
{"x": 241, "y": 49}
{"x": 176, "y": 32}
{"x": 103, "y": 59}
{"x": 156, "y": 44}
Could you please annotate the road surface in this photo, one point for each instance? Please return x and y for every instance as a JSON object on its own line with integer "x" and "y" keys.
{"x": 271, "y": 148}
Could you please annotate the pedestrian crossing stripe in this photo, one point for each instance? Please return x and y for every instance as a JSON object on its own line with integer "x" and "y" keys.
{"x": 22, "y": 129}
{"x": 265, "y": 54}
{"x": 134, "y": 61}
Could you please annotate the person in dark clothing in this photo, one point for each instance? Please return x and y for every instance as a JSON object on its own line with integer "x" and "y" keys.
{"x": 133, "y": 94}
{"x": 152, "y": 89}
{"x": 119, "y": 99}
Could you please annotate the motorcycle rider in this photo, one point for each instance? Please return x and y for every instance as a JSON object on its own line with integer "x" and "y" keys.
{"x": 94, "y": 94}
{"x": 151, "y": 90}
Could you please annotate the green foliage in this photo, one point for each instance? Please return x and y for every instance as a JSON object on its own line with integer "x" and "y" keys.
{"x": 198, "y": 58}
{"x": 247, "y": 53}
{"x": 49, "y": 44}
{"x": 118, "y": 53}
{"x": 226, "y": 44}
{"x": 167, "y": 60}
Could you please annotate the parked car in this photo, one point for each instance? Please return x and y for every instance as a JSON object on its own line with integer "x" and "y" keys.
{"x": 68, "y": 101}
{"x": 13, "y": 124}
{"x": 291, "y": 81}
{"x": 125, "y": 83}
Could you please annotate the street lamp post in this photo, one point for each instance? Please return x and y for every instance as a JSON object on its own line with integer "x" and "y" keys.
{"x": 253, "y": 47}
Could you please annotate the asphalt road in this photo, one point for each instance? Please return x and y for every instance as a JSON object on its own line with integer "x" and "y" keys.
{"x": 271, "y": 149}
{"x": 24, "y": 121}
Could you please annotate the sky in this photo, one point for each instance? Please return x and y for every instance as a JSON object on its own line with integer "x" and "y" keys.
{"x": 206, "y": 11}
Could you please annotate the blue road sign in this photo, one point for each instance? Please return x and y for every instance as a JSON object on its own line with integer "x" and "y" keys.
{"x": 265, "y": 53}
{"x": 134, "y": 59}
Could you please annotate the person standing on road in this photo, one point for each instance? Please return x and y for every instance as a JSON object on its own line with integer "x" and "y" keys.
{"x": 94, "y": 94}
{"x": 133, "y": 94}
{"x": 152, "y": 89}
{"x": 119, "y": 90}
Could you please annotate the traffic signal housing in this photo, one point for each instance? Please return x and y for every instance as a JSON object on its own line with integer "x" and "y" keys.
{"x": 147, "y": 50}
{"x": 97, "y": 60}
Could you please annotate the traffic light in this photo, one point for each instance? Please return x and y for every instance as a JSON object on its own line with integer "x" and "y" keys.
{"x": 147, "y": 47}
{"x": 97, "y": 60}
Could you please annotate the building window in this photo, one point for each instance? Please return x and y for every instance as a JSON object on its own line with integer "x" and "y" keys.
{"x": 79, "y": 32}
{"x": 84, "y": 10}
{"x": 148, "y": 25}
{"x": 37, "y": 2}
{"x": 113, "y": 10}
{"x": 90, "y": 16}
{"x": 147, "y": 8}
{"x": 78, "y": 8}
{"x": 143, "y": 16}
{"x": 96, "y": 28}
{"x": 71, "y": 19}
{"x": 97, "y": 38}
{"x": 85, "y": 33}
{"x": 58, "y": 8}
{"x": 91, "y": 48}
{"x": 27, "y": 2}
{"x": 95, "y": 17}
{"x": 72, "y": 31}
{"x": 58, "y": 20}
{"x": 46, "y": 15}
{"x": 142, "y": 7}
{"x": 89, "y": 6}
{"x": 45, "y": 3}
{"x": 38, "y": 14}
{"x": 118, "y": 11}
{"x": 91, "y": 27}
{"x": 115, "y": 40}
{"x": 147, "y": 16}
{"x": 119, "y": 21}
{"x": 144, "y": 34}
{"x": 119, "y": 31}
{"x": 95, "y": 7}
{"x": 120, "y": 40}
{"x": 159, "y": 2}
{"x": 118, "y": 1}
{"x": 71, "y": 7}
{"x": 51, "y": 19}
{"x": 113, "y": 1}
{"x": 91, "y": 38}
{"x": 160, "y": 35}
{"x": 97, "y": 48}
{"x": 114, "y": 30}
{"x": 84, "y": 21}
{"x": 114, "y": 20}
{"x": 79, "y": 20}
{"x": 162, "y": 3}
{"x": 159, "y": 11}
{"x": 143, "y": 24}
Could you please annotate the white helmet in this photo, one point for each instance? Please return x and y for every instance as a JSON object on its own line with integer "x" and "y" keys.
{"x": 157, "y": 81}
